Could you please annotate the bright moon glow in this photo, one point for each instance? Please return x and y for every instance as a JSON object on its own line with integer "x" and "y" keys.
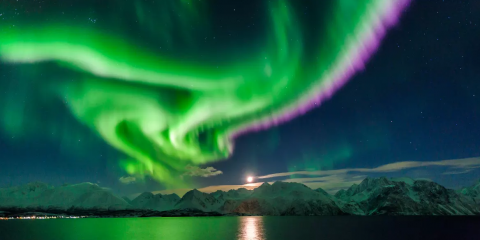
{"x": 249, "y": 179}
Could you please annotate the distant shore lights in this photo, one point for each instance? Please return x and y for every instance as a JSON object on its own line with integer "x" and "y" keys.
{"x": 34, "y": 217}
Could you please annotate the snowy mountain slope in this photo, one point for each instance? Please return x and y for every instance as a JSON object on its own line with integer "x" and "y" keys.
{"x": 127, "y": 200}
{"x": 41, "y": 195}
{"x": 280, "y": 198}
{"x": 323, "y": 192}
{"x": 472, "y": 192}
{"x": 373, "y": 196}
{"x": 287, "y": 190}
{"x": 21, "y": 196}
{"x": 377, "y": 196}
{"x": 241, "y": 193}
{"x": 159, "y": 202}
{"x": 195, "y": 199}
{"x": 283, "y": 198}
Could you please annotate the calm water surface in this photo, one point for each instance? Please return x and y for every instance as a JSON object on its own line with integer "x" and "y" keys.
{"x": 245, "y": 228}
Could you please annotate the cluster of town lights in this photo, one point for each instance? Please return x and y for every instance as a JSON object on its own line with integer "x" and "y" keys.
{"x": 40, "y": 217}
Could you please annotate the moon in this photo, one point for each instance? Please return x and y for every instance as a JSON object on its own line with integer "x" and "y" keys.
{"x": 250, "y": 179}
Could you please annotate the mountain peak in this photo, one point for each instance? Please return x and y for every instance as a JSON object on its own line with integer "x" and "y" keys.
{"x": 171, "y": 196}
{"x": 192, "y": 193}
{"x": 142, "y": 199}
{"x": 365, "y": 182}
{"x": 341, "y": 193}
{"x": 369, "y": 180}
{"x": 198, "y": 200}
{"x": 145, "y": 195}
{"x": 320, "y": 190}
{"x": 159, "y": 202}
{"x": 407, "y": 180}
{"x": 374, "y": 196}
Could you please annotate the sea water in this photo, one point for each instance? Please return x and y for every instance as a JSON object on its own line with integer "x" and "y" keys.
{"x": 213, "y": 228}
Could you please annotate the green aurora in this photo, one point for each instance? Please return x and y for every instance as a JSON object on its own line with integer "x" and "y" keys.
{"x": 182, "y": 105}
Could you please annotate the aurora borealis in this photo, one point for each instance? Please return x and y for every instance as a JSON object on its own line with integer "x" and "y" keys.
{"x": 158, "y": 110}
{"x": 171, "y": 84}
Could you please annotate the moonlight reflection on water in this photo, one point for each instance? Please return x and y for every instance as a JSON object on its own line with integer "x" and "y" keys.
{"x": 251, "y": 228}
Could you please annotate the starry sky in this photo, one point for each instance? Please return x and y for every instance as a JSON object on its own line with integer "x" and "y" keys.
{"x": 416, "y": 97}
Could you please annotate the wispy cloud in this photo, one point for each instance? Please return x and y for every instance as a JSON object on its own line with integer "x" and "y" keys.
{"x": 329, "y": 183}
{"x": 194, "y": 171}
{"x": 127, "y": 180}
{"x": 457, "y": 172}
{"x": 334, "y": 180}
{"x": 457, "y": 164}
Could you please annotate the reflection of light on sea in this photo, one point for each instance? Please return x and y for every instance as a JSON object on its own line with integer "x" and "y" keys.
{"x": 251, "y": 228}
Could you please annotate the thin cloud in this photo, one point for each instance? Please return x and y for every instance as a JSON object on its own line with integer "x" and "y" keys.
{"x": 127, "y": 180}
{"x": 331, "y": 183}
{"x": 457, "y": 172}
{"x": 458, "y": 164}
{"x": 194, "y": 171}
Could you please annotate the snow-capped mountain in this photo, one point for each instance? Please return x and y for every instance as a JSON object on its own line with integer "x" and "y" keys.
{"x": 159, "y": 202}
{"x": 378, "y": 196}
{"x": 472, "y": 192}
{"x": 373, "y": 196}
{"x": 240, "y": 193}
{"x": 280, "y": 198}
{"x": 42, "y": 196}
{"x": 283, "y": 198}
{"x": 195, "y": 199}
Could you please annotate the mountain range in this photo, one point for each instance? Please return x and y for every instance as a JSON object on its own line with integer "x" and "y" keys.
{"x": 373, "y": 196}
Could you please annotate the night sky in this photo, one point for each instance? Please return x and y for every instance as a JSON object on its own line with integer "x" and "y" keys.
{"x": 416, "y": 99}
